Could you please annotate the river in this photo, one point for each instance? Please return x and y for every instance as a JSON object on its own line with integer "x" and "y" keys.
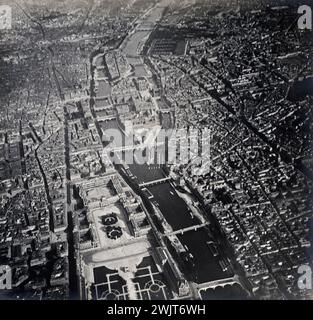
{"x": 202, "y": 265}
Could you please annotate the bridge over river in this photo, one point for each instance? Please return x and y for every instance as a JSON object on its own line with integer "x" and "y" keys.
{"x": 203, "y": 266}
{"x": 184, "y": 230}
{"x": 154, "y": 182}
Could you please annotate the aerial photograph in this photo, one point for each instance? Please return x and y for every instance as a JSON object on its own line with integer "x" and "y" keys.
{"x": 156, "y": 150}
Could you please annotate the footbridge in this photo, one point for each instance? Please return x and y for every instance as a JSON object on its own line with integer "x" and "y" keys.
{"x": 154, "y": 182}
{"x": 184, "y": 230}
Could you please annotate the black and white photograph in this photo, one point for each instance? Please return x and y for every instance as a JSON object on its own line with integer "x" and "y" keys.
{"x": 156, "y": 150}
